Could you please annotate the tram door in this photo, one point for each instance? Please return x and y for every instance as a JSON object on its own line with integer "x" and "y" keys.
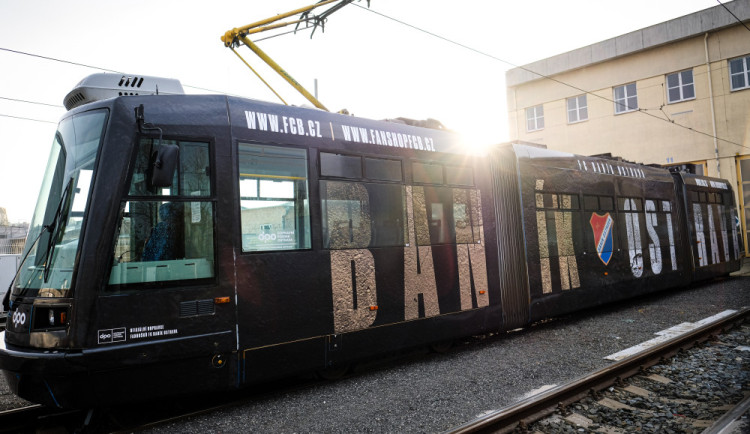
{"x": 743, "y": 169}
{"x": 163, "y": 285}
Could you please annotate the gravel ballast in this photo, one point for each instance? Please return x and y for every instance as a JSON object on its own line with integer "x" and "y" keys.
{"x": 434, "y": 392}
{"x": 425, "y": 392}
{"x": 684, "y": 394}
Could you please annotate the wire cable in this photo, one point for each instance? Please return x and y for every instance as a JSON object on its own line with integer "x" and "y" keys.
{"x": 30, "y": 102}
{"x": 283, "y": 33}
{"x": 38, "y": 56}
{"x": 459, "y": 44}
{"x": 435, "y": 35}
{"x": 735, "y": 16}
{"x": 26, "y": 119}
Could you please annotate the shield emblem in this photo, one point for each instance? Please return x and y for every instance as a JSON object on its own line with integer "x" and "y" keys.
{"x": 602, "y": 227}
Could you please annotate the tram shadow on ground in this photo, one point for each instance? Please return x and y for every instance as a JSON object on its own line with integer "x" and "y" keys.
{"x": 635, "y": 317}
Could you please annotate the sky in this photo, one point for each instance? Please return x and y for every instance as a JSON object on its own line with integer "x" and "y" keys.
{"x": 370, "y": 65}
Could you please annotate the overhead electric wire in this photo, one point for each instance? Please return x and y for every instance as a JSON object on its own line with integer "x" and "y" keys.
{"x": 284, "y": 33}
{"x": 735, "y": 16}
{"x": 30, "y": 102}
{"x": 58, "y": 60}
{"x": 27, "y": 119}
{"x": 95, "y": 67}
{"x": 445, "y": 39}
{"x": 459, "y": 44}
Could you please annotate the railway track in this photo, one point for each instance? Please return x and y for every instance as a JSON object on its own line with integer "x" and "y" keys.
{"x": 154, "y": 416}
{"x": 38, "y": 418}
{"x": 634, "y": 390}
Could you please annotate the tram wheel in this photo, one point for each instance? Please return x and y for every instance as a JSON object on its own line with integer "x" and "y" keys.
{"x": 441, "y": 347}
{"x": 333, "y": 373}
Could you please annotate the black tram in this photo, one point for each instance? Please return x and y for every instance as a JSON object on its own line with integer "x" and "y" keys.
{"x": 183, "y": 243}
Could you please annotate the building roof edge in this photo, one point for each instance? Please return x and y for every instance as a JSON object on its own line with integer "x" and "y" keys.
{"x": 687, "y": 26}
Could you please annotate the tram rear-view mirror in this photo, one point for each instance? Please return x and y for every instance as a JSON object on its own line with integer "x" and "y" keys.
{"x": 164, "y": 164}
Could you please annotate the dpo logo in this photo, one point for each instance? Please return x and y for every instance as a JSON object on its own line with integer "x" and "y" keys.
{"x": 19, "y": 318}
{"x": 108, "y": 336}
{"x": 267, "y": 237}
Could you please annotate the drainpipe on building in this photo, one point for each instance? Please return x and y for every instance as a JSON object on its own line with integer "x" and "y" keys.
{"x": 711, "y": 102}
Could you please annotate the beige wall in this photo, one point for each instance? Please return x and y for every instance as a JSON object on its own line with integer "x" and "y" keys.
{"x": 644, "y": 136}
{"x": 659, "y": 133}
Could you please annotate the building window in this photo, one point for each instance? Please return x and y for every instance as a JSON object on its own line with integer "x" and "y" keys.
{"x": 680, "y": 86}
{"x": 626, "y": 99}
{"x": 577, "y": 109}
{"x": 535, "y": 118}
{"x": 739, "y": 73}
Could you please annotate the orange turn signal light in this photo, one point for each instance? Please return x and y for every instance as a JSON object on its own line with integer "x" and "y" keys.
{"x": 373, "y": 308}
{"x": 221, "y": 300}
{"x": 482, "y": 291}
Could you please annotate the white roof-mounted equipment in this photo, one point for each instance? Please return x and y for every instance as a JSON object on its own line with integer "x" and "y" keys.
{"x": 101, "y": 86}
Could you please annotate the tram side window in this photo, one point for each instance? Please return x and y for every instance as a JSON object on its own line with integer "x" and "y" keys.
{"x": 361, "y": 215}
{"x": 706, "y": 197}
{"x": 591, "y": 202}
{"x": 632, "y": 228}
{"x": 439, "y": 201}
{"x": 274, "y": 203}
{"x": 561, "y": 213}
{"x": 383, "y": 170}
{"x": 427, "y": 173}
{"x": 598, "y": 203}
{"x": 630, "y": 204}
{"x": 192, "y": 178}
{"x": 659, "y": 212}
{"x": 467, "y": 218}
{"x": 358, "y": 213}
{"x": 166, "y": 234}
{"x": 459, "y": 175}
{"x": 439, "y": 174}
{"x": 445, "y": 215}
{"x": 557, "y": 200}
{"x": 342, "y": 166}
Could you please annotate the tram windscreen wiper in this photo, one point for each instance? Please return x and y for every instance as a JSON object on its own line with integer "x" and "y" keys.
{"x": 6, "y": 298}
{"x": 54, "y": 226}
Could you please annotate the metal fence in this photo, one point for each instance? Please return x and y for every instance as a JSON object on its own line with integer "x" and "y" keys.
{"x": 12, "y": 246}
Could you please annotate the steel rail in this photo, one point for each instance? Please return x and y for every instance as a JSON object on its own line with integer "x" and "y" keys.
{"x": 726, "y": 423}
{"x": 28, "y": 419}
{"x": 532, "y": 409}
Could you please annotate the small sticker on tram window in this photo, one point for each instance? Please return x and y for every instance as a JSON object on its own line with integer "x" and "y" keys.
{"x": 195, "y": 212}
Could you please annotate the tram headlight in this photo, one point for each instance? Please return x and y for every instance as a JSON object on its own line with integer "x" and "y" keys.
{"x": 57, "y": 317}
{"x": 50, "y": 317}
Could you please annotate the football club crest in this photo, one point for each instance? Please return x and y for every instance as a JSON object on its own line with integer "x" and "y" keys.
{"x": 602, "y": 227}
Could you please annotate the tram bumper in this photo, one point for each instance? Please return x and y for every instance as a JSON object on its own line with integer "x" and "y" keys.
{"x": 49, "y": 377}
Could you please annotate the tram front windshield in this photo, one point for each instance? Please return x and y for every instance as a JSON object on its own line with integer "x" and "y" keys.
{"x": 52, "y": 243}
